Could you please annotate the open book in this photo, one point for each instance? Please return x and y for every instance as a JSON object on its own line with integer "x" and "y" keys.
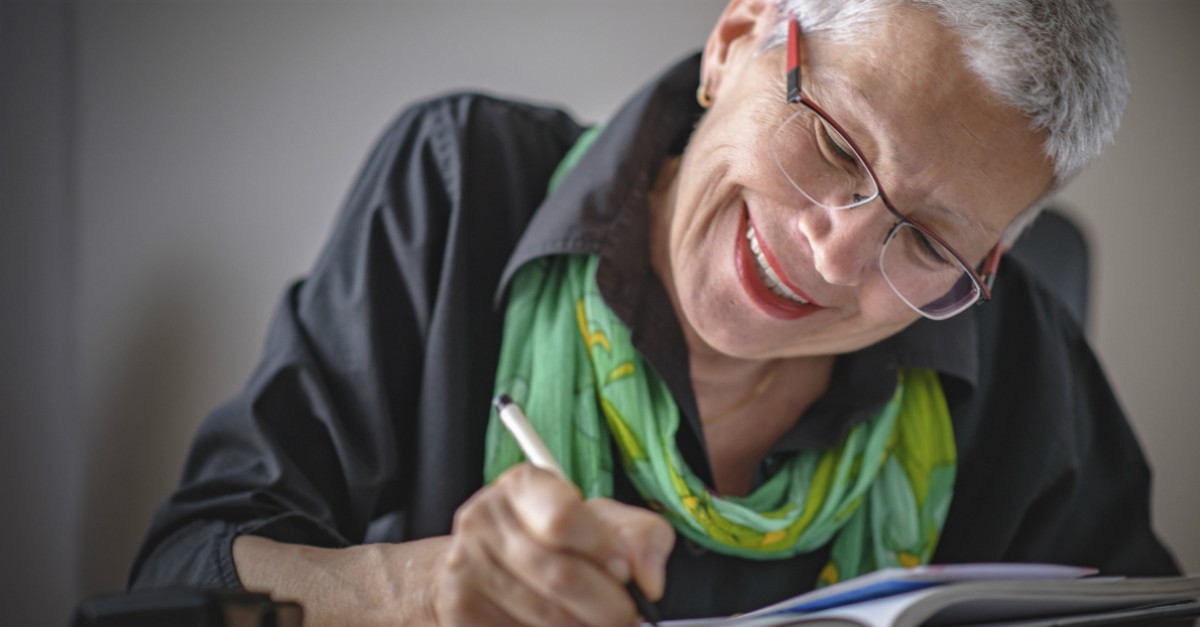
{"x": 966, "y": 594}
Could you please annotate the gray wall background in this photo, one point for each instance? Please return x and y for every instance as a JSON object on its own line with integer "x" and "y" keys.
{"x": 166, "y": 167}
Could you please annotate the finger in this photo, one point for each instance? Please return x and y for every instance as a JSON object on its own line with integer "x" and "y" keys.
{"x": 459, "y": 604}
{"x": 480, "y": 610}
{"x": 553, "y": 512}
{"x": 477, "y": 586}
{"x": 570, "y": 583}
{"x": 641, "y": 537}
{"x": 558, "y": 573}
{"x": 561, "y": 546}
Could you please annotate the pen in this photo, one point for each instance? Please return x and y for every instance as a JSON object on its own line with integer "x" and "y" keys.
{"x": 535, "y": 450}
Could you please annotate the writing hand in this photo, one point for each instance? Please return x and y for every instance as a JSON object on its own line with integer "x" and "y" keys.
{"x": 529, "y": 550}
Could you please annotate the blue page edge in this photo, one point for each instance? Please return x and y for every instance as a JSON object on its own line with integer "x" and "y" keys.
{"x": 873, "y": 591}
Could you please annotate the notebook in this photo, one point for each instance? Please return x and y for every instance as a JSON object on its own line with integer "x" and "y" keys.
{"x": 967, "y": 594}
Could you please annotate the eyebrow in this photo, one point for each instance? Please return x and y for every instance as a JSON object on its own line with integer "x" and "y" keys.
{"x": 960, "y": 216}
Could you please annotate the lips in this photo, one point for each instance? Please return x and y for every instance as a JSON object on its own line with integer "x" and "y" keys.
{"x": 763, "y": 279}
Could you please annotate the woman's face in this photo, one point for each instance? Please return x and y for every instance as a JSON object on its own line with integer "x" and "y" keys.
{"x": 946, "y": 152}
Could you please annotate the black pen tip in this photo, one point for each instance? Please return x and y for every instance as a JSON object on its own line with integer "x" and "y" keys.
{"x": 644, "y": 607}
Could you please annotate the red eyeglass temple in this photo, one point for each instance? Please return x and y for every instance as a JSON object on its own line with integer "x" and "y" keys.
{"x": 991, "y": 263}
{"x": 793, "y": 73}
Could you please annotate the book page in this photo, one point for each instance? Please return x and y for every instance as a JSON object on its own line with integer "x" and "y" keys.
{"x": 976, "y": 601}
{"x": 891, "y": 581}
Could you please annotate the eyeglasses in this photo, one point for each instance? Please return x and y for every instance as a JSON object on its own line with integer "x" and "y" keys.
{"x": 821, "y": 161}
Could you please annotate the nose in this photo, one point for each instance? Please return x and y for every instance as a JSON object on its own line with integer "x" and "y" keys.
{"x": 845, "y": 243}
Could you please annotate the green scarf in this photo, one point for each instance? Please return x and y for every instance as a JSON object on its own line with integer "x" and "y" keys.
{"x": 881, "y": 494}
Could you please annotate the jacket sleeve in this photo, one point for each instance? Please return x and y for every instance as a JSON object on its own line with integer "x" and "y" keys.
{"x": 318, "y": 444}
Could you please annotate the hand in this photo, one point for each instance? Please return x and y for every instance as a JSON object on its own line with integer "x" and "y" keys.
{"x": 528, "y": 550}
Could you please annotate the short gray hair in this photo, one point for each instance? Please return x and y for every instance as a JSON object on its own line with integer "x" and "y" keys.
{"x": 1058, "y": 62}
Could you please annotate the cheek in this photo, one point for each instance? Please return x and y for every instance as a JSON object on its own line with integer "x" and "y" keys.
{"x": 880, "y": 307}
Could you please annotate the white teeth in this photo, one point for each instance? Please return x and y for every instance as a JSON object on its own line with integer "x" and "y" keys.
{"x": 767, "y": 273}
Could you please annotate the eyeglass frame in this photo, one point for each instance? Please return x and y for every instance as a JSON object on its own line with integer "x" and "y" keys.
{"x": 983, "y": 280}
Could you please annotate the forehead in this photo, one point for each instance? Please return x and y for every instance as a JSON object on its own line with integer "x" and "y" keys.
{"x": 934, "y": 132}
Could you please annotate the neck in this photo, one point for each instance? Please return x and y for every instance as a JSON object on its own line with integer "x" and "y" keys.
{"x": 738, "y": 440}
{"x": 721, "y": 382}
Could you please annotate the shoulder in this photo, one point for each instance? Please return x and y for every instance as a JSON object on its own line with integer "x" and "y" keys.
{"x": 459, "y": 173}
{"x": 445, "y": 150}
{"x": 488, "y": 126}
{"x": 461, "y": 108}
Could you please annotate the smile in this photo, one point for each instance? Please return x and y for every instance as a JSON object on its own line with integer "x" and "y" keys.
{"x": 761, "y": 279}
{"x": 765, "y": 272}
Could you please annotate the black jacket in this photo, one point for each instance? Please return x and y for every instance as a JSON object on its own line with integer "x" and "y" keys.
{"x": 365, "y": 419}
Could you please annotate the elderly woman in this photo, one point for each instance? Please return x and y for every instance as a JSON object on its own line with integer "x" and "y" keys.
{"x": 742, "y": 314}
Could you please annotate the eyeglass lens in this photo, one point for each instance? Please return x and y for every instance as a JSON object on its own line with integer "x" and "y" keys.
{"x": 824, "y": 167}
{"x": 924, "y": 274}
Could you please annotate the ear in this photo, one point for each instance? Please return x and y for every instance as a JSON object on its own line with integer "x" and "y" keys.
{"x": 740, "y": 26}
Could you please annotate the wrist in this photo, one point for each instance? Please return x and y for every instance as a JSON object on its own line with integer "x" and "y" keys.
{"x": 402, "y": 579}
{"x": 372, "y": 584}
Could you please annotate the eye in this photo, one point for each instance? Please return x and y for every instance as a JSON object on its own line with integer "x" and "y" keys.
{"x": 932, "y": 250}
{"x": 834, "y": 144}
{"x": 924, "y": 250}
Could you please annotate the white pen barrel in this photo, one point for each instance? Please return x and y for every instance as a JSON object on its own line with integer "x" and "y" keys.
{"x": 533, "y": 447}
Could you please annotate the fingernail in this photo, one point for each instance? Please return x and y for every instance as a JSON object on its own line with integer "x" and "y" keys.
{"x": 618, "y": 567}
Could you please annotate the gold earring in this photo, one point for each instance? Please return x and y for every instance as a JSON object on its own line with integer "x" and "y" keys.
{"x": 702, "y": 96}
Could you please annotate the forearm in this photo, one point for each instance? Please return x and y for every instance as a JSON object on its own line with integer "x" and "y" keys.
{"x": 373, "y": 584}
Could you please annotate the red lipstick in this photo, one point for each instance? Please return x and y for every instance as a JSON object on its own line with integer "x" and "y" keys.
{"x": 773, "y": 304}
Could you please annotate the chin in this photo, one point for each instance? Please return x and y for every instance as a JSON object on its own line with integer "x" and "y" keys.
{"x": 734, "y": 336}
{"x": 768, "y": 340}
{"x": 720, "y": 328}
